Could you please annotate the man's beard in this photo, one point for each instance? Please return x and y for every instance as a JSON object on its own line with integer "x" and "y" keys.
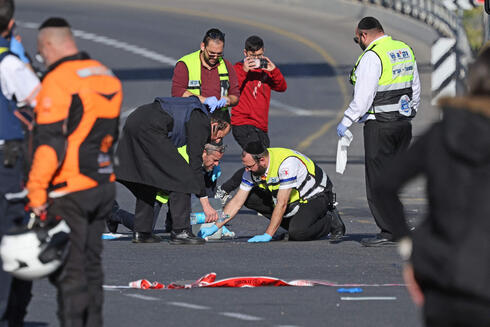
{"x": 260, "y": 172}
{"x": 206, "y": 59}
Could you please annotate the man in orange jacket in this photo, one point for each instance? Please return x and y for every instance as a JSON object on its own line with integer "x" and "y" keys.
{"x": 71, "y": 178}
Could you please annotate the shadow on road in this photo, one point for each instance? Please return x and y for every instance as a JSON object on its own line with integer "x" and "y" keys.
{"x": 288, "y": 70}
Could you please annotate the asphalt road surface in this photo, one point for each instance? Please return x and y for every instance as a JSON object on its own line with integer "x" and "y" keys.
{"x": 312, "y": 45}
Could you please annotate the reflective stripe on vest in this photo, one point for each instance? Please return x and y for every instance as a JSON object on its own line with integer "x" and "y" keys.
{"x": 301, "y": 193}
{"x": 193, "y": 63}
{"x": 162, "y": 196}
{"x": 10, "y": 125}
{"x": 395, "y": 83}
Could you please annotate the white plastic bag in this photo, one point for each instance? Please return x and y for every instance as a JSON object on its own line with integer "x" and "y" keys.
{"x": 342, "y": 146}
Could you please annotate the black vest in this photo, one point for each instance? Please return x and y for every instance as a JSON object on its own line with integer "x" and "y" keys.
{"x": 180, "y": 110}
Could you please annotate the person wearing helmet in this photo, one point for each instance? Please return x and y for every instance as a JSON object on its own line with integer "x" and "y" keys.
{"x": 72, "y": 178}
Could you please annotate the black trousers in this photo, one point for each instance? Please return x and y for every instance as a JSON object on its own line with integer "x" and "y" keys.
{"x": 179, "y": 204}
{"x": 79, "y": 281}
{"x": 444, "y": 309}
{"x": 382, "y": 142}
{"x": 311, "y": 222}
{"x": 244, "y": 134}
{"x": 15, "y": 294}
{"x": 127, "y": 218}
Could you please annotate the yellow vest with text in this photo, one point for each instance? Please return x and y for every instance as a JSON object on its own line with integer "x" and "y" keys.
{"x": 163, "y": 196}
{"x": 392, "y": 100}
{"x": 271, "y": 182}
{"x": 193, "y": 63}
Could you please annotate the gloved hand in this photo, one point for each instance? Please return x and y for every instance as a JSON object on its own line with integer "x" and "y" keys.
{"x": 17, "y": 48}
{"x": 226, "y": 232}
{"x": 212, "y": 103}
{"x": 207, "y": 231}
{"x": 260, "y": 238}
{"x": 341, "y": 129}
{"x": 221, "y": 103}
{"x": 215, "y": 173}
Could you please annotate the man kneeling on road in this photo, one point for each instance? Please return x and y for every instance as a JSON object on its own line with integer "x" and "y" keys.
{"x": 289, "y": 189}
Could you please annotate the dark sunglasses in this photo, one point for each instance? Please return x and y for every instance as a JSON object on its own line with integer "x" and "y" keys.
{"x": 356, "y": 39}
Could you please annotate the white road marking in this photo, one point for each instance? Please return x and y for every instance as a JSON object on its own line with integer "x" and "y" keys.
{"x": 189, "y": 305}
{"x": 143, "y": 297}
{"x": 113, "y": 287}
{"x": 240, "y": 316}
{"x": 146, "y": 53}
{"x": 368, "y": 298}
{"x": 160, "y": 58}
{"x": 295, "y": 110}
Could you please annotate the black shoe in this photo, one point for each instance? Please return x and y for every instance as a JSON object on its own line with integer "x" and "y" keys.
{"x": 378, "y": 240}
{"x": 112, "y": 224}
{"x": 140, "y": 237}
{"x": 337, "y": 229}
{"x": 185, "y": 237}
{"x": 168, "y": 226}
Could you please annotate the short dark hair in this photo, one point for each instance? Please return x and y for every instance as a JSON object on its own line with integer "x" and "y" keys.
{"x": 370, "y": 23}
{"x": 222, "y": 117}
{"x": 213, "y": 34}
{"x": 254, "y": 43}
{"x": 54, "y": 22}
{"x": 7, "y": 9}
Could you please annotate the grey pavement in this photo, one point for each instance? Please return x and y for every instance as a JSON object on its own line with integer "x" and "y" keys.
{"x": 311, "y": 42}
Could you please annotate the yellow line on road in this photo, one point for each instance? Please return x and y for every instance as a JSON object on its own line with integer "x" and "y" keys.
{"x": 340, "y": 79}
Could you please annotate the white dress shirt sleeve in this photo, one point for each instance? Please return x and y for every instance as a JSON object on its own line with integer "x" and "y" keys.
{"x": 19, "y": 81}
{"x": 367, "y": 73}
{"x": 415, "y": 88}
{"x": 247, "y": 181}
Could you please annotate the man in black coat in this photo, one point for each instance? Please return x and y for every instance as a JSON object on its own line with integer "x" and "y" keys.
{"x": 148, "y": 161}
{"x": 448, "y": 266}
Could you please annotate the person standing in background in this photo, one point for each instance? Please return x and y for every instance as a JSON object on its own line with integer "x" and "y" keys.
{"x": 72, "y": 177}
{"x": 447, "y": 257}
{"x": 257, "y": 77}
{"x": 207, "y": 75}
{"x": 18, "y": 89}
{"x": 386, "y": 98}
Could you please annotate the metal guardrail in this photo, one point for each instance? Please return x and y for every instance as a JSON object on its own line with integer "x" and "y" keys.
{"x": 448, "y": 23}
{"x": 433, "y": 13}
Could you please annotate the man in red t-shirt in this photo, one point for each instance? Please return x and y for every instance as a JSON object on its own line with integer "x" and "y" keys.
{"x": 257, "y": 76}
{"x": 212, "y": 89}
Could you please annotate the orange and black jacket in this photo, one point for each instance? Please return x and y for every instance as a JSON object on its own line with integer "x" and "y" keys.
{"x": 77, "y": 119}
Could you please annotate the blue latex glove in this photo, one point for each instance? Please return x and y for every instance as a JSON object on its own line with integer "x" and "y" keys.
{"x": 226, "y": 232}
{"x": 341, "y": 129}
{"x": 215, "y": 173}
{"x": 212, "y": 103}
{"x": 221, "y": 103}
{"x": 17, "y": 48}
{"x": 207, "y": 231}
{"x": 260, "y": 238}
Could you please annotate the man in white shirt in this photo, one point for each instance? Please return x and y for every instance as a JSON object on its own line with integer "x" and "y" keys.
{"x": 19, "y": 86}
{"x": 386, "y": 98}
{"x": 289, "y": 189}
